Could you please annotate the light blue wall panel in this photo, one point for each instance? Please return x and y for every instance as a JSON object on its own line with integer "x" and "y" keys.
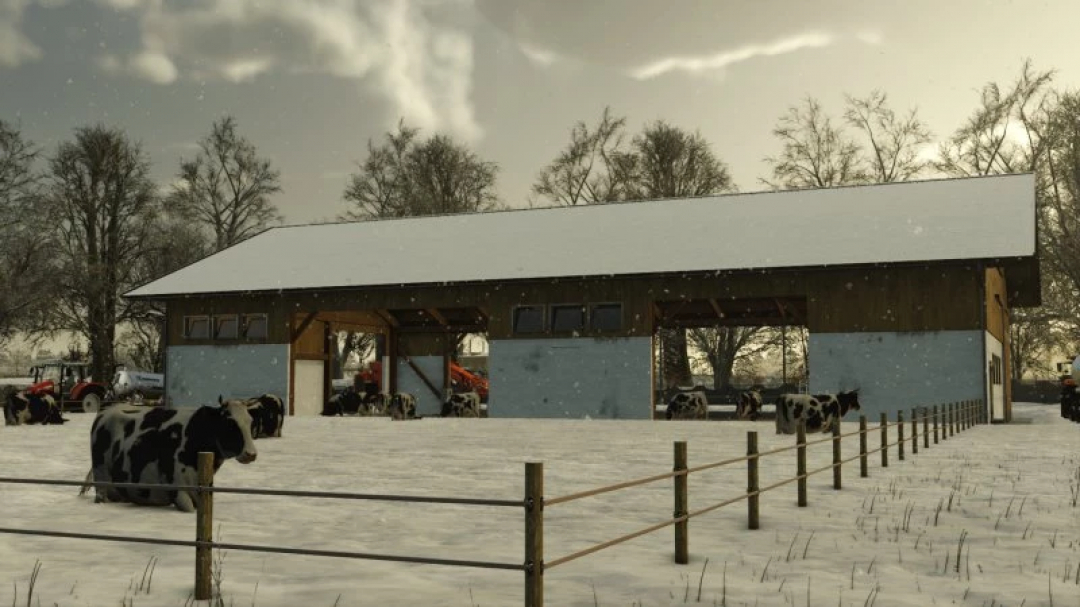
{"x": 198, "y": 374}
{"x": 408, "y": 381}
{"x": 571, "y": 378}
{"x": 898, "y": 370}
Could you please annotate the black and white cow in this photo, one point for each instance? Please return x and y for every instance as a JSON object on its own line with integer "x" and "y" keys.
{"x": 749, "y": 405}
{"x": 402, "y": 406}
{"x": 688, "y": 405}
{"x": 161, "y": 445}
{"x": 818, "y": 411}
{"x": 376, "y": 403}
{"x": 462, "y": 404}
{"x": 267, "y": 415}
{"x": 21, "y": 408}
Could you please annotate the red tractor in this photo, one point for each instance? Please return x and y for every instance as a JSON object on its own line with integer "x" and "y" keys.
{"x": 77, "y": 390}
{"x": 461, "y": 379}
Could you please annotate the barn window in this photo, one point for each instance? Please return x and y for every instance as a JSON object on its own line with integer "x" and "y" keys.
{"x": 529, "y": 319}
{"x": 226, "y": 326}
{"x": 606, "y": 318}
{"x": 255, "y": 326}
{"x": 197, "y": 327}
{"x": 567, "y": 318}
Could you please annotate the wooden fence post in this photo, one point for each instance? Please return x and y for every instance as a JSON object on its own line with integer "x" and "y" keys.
{"x": 864, "y": 466}
{"x": 914, "y": 430}
{"x": 836, "y": 456}
{"x": 945, "y": 421}
{"x": 534, "y": 534}
{"x": 952, "y": 420}
{"x": 925, "y": 428}
{"x": 682, "y": 539}
{"x": 900, "y": 435}
{"x": 204, "y": 526}
{"x": 800, "y": 461}
{"x": 752, "y": 480}
{"x": 936, "y": 424}
{"x": 884, "y": 440}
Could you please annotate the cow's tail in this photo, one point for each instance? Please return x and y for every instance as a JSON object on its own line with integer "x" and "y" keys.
{"x": 86, "y": 483}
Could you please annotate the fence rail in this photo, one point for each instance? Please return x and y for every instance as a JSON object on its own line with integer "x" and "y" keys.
{"x": 943, "y": 423}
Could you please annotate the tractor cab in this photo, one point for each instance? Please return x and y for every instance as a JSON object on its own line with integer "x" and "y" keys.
{"x": 69, "y": 382}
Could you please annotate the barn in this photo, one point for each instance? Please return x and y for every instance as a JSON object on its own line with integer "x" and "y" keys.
{"x": 905, "y": 290}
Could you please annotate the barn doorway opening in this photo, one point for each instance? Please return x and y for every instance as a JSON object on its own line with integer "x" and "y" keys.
{"x": 731, "y": 344}
{"x": 419, "y": 351}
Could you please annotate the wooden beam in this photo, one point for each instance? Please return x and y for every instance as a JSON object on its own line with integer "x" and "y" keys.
{"x": 299, "y": 330}
{"x": 388, "y": 317}
{"x": 437, "y": 315}
{"x": 441, "y": 329}
{"x": 716, "y": 308}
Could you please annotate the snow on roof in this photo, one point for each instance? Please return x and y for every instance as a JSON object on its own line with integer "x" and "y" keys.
{"x": 933, "y": 220}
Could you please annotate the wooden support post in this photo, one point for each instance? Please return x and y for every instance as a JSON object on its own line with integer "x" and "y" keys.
{"x": 682, "y": 537}
{"x": 204, "y": 526}
{"x": 836, "y": 456}
{"x": 936, "y": 416}
{"x": 534, "y": 534}
{"x": 752, "y": 481}
{"x": 800, "y": 461}
{"x": 925, "y": 428}
{"x": 900, "y": 435}
{"x": 914, "y": 430}
{"x": 884, "y": 440}
{"x": 864, "y": 465}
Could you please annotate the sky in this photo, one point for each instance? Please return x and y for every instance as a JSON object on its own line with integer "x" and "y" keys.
{"x": 1002, "y": 495}
{"x": 311, "y": 82}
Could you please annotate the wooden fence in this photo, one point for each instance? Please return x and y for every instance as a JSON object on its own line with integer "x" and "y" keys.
{"x": 938, "y": 424}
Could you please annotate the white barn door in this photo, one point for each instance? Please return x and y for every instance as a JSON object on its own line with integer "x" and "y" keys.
{"x": 995, "y": 378}
{"x": 308, "y": 391}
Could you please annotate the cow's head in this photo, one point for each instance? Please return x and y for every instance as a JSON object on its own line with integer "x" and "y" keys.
{"x": 234, "y": 438}
{"x": 749, "y": 405}
{"x": 849, "y": 401}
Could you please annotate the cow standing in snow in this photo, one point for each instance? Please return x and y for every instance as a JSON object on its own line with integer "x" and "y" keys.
{"x": 402, "y": 406}
{"x": 267, "y": 415}
{"x": 818, "y": 411}
{"x": 688, "y": 405}
{"x": 21, "y": 408}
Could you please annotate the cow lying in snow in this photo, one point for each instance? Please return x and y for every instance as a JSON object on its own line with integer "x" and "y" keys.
{"x": 351, "y": 402}
{"x": 21, "y": 408}
{"x": 402, "y": 406}
{"x": 818, "y": 411}
{"x": 267, "y": 415}
{"x": 462, "y": 404}
{"x": 749, "y": 405}
{"x": 688, "y": 405}
{"x": 161, "y": 446}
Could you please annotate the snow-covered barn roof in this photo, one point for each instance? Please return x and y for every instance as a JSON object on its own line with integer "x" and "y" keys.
{"x": 933, "y": 220}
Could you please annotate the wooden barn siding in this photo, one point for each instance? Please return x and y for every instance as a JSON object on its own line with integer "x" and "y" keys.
{"x": 277, "y": 319}
{"x": 895, "y": 299}
{"x": 879, "y": 299}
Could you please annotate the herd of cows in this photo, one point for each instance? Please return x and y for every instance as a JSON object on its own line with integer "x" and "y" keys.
{"x": 819, "y": 412}
{"x": 159, "y": 445}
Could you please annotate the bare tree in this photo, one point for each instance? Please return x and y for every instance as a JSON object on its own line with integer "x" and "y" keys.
{"x": 101, "y": 200}
{"x": 227, "y": 187}
{"x": 172, "y": 243}
{"x": 894, "y": 142}
{"x": 723, "y": 348}
{"x": 406, "y": 177}
{"x": 25, "y": 255}
{"x": 588, "y": 170}
{"x": 814, "y": 153}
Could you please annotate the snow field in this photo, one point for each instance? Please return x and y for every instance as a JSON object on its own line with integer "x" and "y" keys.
{"x": 890, "y": 539}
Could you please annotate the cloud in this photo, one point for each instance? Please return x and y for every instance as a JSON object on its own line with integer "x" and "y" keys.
{"x": 15, "y": 47}
{"x": 538, "y": 55}
{"x": 424, "y": 68}
{"x": 719, "y": 61}
{"x": 871, "y": 37}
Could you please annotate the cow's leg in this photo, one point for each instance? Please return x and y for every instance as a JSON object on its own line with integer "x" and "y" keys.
{"x": 184, "y": 501}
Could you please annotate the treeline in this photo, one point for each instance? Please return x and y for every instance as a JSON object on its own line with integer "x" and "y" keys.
{"x": 91, "y": 224}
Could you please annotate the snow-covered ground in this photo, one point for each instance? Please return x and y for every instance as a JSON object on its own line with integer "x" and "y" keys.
{"x": 888, "y": 540}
